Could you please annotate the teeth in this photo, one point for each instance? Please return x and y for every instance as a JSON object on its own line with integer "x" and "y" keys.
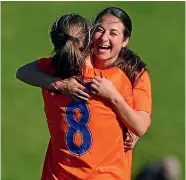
{"x": 104, "y": 46}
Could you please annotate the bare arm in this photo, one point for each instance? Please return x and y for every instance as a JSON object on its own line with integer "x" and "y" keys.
{"x": 136, "y": 121}
{"x": 32, "y": 75}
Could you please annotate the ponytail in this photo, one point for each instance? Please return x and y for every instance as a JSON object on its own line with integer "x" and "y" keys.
{"x": 68, "y": 35}
{"x": 69, "y": 60}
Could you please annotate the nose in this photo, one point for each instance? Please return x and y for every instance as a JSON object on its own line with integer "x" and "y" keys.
{"x": 105, "y": 37}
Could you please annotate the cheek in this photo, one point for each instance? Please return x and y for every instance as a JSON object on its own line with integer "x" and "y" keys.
{"x": 95, "y": 37}
{"x": 116, "y": 46}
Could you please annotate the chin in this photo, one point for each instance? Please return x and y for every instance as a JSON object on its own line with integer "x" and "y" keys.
{"x": 102, "y": 57}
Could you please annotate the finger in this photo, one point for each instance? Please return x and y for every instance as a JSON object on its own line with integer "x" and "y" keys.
{"x": 129, "y": 139}
{"x": 97, "y": 78}
{"x": 80, "y": 86}
{"x": 128, "y": 144}
{"x": 93, "y": 92}
{"x": 94, "y": 81}
{"x": 79, "y": 97}
{"x": 127, "y": 148}
{"x": 82, "y": 93}
{"x": 94, "y": 87}
{"x": 83, "y": 98}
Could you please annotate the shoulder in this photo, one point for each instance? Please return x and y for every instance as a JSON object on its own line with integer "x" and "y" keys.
{"x": 142, "y": 95}
{"x": 117, "y": 74}
{"x": 142, "y": 80}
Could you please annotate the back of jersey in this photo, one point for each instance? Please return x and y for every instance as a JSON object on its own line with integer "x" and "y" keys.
{"x": 86, "y": 138}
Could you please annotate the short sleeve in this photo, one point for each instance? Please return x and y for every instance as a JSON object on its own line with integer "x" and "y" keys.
{"x": 45, "y": 65}
{"x": 142, "y": 99}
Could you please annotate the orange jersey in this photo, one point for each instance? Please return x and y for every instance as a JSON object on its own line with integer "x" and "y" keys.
{"x": 142, "y": 100}
{"x": 86, "y": 139}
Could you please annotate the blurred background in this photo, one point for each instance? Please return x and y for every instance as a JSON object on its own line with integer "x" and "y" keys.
{"x": 158, "y": 37}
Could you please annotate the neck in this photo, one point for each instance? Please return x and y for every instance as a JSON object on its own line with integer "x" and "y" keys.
{"x": 89, "y": 61}
{"x": 101, "y": 64}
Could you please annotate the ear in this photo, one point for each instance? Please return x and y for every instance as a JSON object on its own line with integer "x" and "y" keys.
{"x": 125, "y": 42}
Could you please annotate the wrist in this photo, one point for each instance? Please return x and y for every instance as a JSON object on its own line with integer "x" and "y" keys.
{"x": 115, "y": 98}
{"x": 58, "y": 85}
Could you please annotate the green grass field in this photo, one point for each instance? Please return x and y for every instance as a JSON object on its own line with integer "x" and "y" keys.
{"x": 158, "y": 36}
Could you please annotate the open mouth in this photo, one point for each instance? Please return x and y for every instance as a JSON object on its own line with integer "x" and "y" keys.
{"x": 104, "y": 48}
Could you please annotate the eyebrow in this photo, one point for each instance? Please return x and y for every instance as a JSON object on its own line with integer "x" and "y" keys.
{"x": 115, "y": 30}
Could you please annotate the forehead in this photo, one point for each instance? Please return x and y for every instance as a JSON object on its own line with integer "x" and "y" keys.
{"x": 111, "y": 22}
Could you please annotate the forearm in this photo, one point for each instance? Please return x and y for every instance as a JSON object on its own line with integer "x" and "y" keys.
{"x": 135, "y": 121}
{"x": 32, "y": 75}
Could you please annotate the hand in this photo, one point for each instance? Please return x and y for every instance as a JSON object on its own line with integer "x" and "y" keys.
{"x": 103, "y": 88}
{"x": 130, "y": 141}
{"x": 71, "y": 88}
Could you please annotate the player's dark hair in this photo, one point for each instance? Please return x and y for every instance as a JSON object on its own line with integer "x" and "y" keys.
{"x": 69, "y": 37}
{"x": 128, "y": 61}
{"x": 131, "y": 64}
{"x": 120, "y": 14}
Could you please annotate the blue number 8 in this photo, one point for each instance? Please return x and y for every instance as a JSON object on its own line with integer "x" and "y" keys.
{"x": 78, "y": 126}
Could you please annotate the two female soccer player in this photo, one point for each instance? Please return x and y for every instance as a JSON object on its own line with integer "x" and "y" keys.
{"x": 87, "y": 138}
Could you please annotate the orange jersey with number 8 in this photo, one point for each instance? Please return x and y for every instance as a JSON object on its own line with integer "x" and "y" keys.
{"x": 86, "y": 138}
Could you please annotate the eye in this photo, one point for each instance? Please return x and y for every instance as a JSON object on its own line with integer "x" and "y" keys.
{"x": 113, "y": 34}
{"x": 99, "y": 29}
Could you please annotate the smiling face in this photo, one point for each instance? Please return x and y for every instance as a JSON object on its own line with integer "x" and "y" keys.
{"x": 108, "y": 38}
